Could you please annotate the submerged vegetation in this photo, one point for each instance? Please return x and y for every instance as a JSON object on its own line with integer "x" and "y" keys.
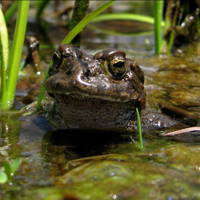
{"x": 9, "y": 170}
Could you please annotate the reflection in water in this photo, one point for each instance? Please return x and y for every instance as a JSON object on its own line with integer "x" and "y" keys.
{"x": 79, "y": 144}
{"x": 10, "y": 131}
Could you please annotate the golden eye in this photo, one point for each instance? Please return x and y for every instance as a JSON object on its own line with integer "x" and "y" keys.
{"x": 57, "y": 59}
{"x": 117, "y": 66}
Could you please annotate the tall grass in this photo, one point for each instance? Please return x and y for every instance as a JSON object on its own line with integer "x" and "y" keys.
{"x": 4, "y": 49}
{"x": 139, "y": 128}
{"x": 13, "y": 61}
{"x": 125, "y": 16}
{"x": 158, "y": 14}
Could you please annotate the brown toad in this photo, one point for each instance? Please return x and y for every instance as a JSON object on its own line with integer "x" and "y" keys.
{"x": 99, "y": 92}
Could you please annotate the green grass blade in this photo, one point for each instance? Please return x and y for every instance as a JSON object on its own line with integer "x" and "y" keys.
{"x": 139, "y": 128}
{"x": 11, "y": 11}
{"x": 3, "y": 177}
{"x": 72, "y": 34}
{"x": 158, "y": 13}
{"x": 4, "y": 49}
{"x": 7, "y": 168}
{"x": 15, "y": 165}
{"x": 16, "y": 52}
{"x": 125, "y": 16}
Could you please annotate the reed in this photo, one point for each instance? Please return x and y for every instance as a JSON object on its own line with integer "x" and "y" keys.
{"x": 158, "y": 13}
{"x": 12, "y": 62}
{"x": 139, "y": 128}
{"x": 4, "y": 49}
{"x": 125, "y": 16}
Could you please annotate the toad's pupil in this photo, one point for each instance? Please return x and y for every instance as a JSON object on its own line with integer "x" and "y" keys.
{"x": 119, "y": 64}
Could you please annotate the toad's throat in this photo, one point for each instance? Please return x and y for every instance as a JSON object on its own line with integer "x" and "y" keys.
{"x": 92, "y": 113}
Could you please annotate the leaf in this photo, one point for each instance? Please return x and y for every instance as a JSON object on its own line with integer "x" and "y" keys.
{"x": 3, "y": 177}
{"x": 15, "y": 165}
{"x": 139, "y": 128}
{"x": 7, "y": 167}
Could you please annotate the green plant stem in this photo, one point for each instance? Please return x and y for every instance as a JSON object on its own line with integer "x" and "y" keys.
{"x": 139, "y": 128}
{"x": 41, "y": 6}
{"x": 71, "y": 35}
{"x": 158, "y": 11}
{"x": 3, "y": 177}
{"x": 11, "y": 11}
{"x": 16, "y": 52}
{"x": 125, "y": 16}
{"x": 4, "y": 49}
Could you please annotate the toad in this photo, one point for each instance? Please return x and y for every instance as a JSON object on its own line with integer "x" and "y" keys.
{"x": 99, "y": 92}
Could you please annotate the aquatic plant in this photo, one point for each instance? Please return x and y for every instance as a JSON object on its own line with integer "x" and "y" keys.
{"x": 9, "y": 170}
{"x": 157, "y": 21}
{"x": 139, "y": 128}
{"x": 4, "y": 49}
{"x": 125, "y": 16}
{"x": 158, "y": 13}
{"x": 11, "y": 61}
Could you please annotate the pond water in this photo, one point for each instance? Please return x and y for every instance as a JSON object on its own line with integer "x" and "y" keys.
{"x": 76, "y": 165}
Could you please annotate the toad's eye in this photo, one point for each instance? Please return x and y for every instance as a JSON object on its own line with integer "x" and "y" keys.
{"x": 117, "y": 66}
{"x": 57, "y": 59}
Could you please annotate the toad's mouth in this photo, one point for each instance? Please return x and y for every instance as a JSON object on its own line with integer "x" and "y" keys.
{"x": 137, "y": 100}
{"x": 123, "y": 97}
